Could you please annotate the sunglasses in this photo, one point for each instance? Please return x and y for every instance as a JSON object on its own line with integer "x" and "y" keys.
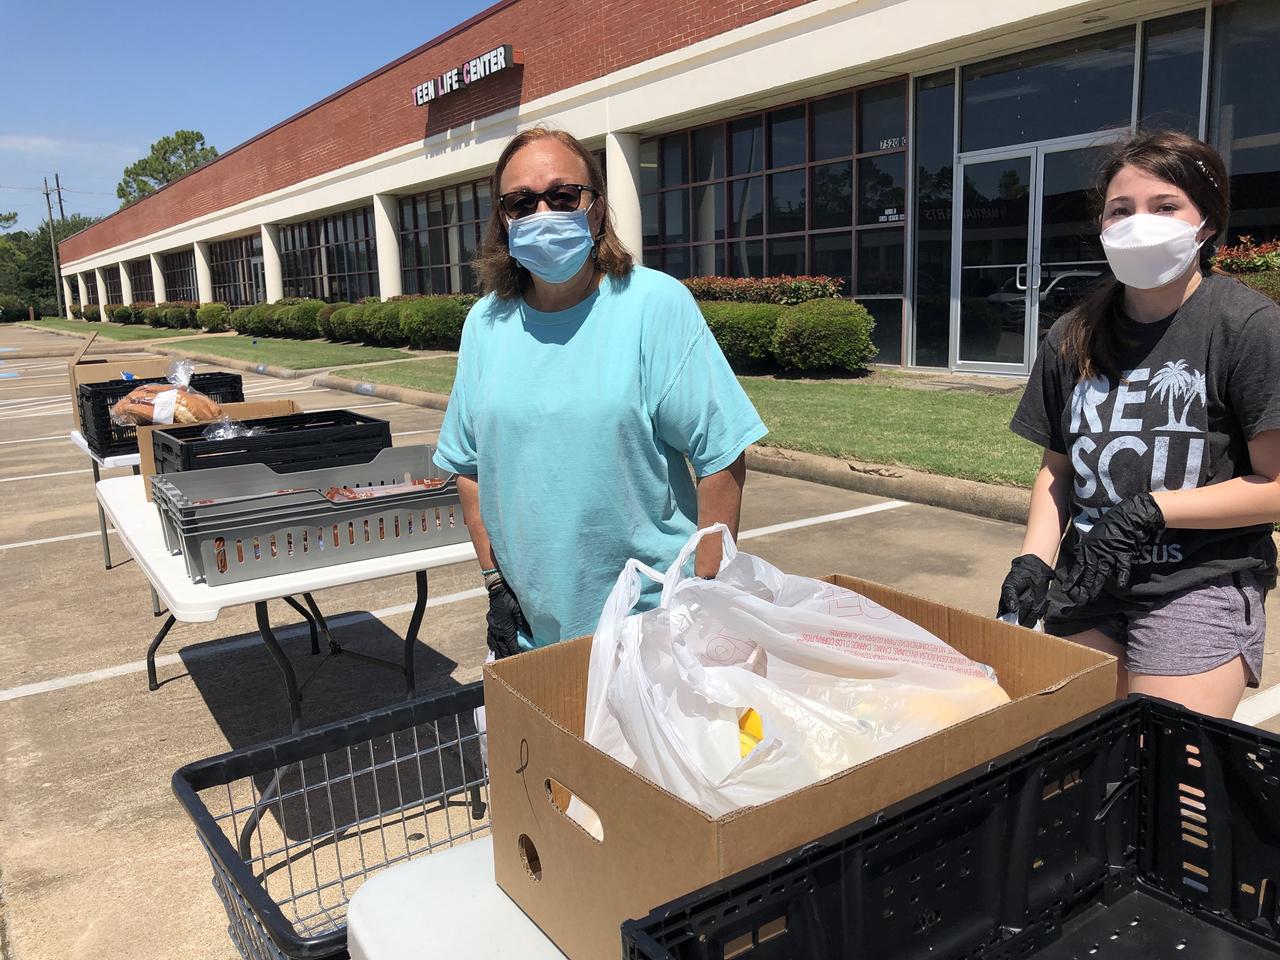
{"x": 562, "y": 198}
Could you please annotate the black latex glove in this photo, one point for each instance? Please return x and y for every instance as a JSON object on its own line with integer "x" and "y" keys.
{"x": 505, "y": 619}
{"x": 1106, "y": 553}
{"x": 1026, "y": 589}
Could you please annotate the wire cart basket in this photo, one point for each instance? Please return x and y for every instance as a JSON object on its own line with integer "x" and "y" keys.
{"x": 294, "y": 827}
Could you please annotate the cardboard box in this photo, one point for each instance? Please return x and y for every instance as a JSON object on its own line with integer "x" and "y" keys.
{"x": 247, "y": 410}
{"x": 83, "y": 369}
{"x": 656, "y": 847}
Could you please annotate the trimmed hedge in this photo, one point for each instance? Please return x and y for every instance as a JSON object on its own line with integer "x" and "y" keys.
{"x": 434, "y": 323}
{"x": 12, "y": 309}
{"x": 824, "y": 335}
{"x": 121, "y": 313}
{"x": 214, "y": 317}
{"x": 92, "y": 312}
{"x": 77, "y": 311}
{"x": 784, "y": 290}
{"x": 745, "y": 331}
{"x": 322, "y": 318}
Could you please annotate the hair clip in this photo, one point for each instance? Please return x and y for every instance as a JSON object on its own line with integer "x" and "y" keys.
{"x": 1205, "y": 171}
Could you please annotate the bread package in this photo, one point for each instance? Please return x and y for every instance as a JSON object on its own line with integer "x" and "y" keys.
{"x": 164, "y": 403}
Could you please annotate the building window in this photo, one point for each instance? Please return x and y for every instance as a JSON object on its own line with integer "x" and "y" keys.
{"x": 1080, "y": 86}
{"x": 1172, "y": 67}
{"x": 235, "y": 267}
{"x": 332, "y": 258}
{"x": 1245, "y": 117}
{"x": 440, "y": 232}
{"x": 934, "y": 166}
{"x": 811, "y": 188}
{"x": 91, "y": 286}
{"x": 115, "y": 293}
{"x": 144, "y": 290}
{"x": 179, "y": 275}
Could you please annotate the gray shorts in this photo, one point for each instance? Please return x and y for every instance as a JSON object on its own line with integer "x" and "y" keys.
{"x": 1189, "y": 632}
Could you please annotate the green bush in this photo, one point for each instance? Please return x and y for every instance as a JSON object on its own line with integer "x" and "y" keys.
{"x": 151, "y": 316}
{"x": 380, "y": 325}
{"x": 323, "y": 316}
{"x": 238, "y": 318}
{"x": 784, "y": 290}
{"x": 263, "y": 319}
{"x": 744, "y": 331}
{"x": 214, "y": 317}
{"x": 1266, "y": 282}
{"x": 77, "y": 311}
{"x": 824, "y": 335}
{"x": 92, "y": 312}
{"x": 433, "y": 323}
{"x": 11, "y": 309}
{"x": 1248, "y": 256}
{"x": 302, "y": 320}
{"x": 347, "y": 323}
{"x": 122, "y": 313}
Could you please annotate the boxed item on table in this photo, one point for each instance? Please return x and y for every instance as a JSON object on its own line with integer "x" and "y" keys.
{"x": 655, "y": 847}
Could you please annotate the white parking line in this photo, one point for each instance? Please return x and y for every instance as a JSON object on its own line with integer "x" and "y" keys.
{"x": 825, "y": 518}
{"x": 218, "y": 648}
{"x": 56, "y": 436}
{"x": 61, "y": 539}
{"x": 41, "y": 476}
{"x": 1263, "y": 705}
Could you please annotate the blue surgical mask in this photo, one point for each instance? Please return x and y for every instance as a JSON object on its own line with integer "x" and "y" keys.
{"x": 551, "y": 245}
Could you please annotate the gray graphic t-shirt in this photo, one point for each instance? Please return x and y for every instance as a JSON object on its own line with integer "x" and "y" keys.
{"x": 1193, "y": 390}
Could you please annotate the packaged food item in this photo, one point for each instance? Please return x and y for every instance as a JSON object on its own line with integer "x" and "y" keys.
{"x": 228, "y": 429}
{"x": 347, "y": 494}
{"x": 171, "y": 402}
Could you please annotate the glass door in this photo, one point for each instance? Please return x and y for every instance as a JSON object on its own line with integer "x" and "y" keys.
{"x": 1069, "y": 261}
{"x": 991, "y": 291}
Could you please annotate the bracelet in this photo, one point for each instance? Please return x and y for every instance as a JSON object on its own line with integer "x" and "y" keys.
{"x": 491, "y": 570}
{"x": 492, "y": 580}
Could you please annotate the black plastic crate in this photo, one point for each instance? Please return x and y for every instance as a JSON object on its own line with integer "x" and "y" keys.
{"x": 108, "y": 439}
{"x": 287, "y": 444}
{"x": 293, "y": 827}
{"x": 1145, "y": 831}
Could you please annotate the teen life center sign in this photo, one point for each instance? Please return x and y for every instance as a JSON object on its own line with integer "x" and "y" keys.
{"x": 460, "y": 77}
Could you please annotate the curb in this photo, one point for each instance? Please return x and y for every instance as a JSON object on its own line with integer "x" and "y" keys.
{"x": 247, "y": 366}
{"x": 897, "y": 483}
{"x": 416, "y": 398}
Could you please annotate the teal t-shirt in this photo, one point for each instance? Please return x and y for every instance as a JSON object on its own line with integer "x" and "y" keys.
{"x": 580, "y": 427}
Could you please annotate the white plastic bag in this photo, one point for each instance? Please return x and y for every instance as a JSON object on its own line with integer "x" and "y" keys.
{"x": 835, "y": 678}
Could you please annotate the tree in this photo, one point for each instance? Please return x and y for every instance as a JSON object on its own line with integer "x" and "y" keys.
{"x": 26, "y": 264}
{"x": 7, "y": 220}
{"x": 169, "y": 159}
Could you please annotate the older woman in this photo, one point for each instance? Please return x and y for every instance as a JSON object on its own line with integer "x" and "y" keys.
{"x": 586, "y": 388}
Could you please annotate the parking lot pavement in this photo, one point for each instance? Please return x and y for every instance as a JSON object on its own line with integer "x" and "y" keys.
{"x": 96, "y": 858}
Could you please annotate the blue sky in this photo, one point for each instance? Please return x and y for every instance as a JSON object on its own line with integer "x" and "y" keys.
{"x": 89, "y": 86}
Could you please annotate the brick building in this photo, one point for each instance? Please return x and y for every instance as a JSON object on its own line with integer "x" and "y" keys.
{"x": 740, "y": 137}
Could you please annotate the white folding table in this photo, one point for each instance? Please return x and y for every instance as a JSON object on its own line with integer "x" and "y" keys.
{"x": 100, "y": 463}
{"x": 137, "y": 523}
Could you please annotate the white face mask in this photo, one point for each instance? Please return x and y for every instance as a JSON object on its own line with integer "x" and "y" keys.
{"x": 1147, "y": 250}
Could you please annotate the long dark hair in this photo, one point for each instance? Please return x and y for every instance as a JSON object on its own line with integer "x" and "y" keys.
{"x": 1089, "y": 340}
{"x": 501, "y": 273}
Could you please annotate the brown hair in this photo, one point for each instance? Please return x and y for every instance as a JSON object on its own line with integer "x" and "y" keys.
{"x": 501, "y": 273}
{"x": 1089, "y": 340}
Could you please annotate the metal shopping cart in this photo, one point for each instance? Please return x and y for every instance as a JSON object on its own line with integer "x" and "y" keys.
{"x": 294, "y": 827}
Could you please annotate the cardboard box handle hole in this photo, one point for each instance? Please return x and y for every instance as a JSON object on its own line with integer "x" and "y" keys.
{"x": 580, "y": 813}
{"x": 529, "y": 857}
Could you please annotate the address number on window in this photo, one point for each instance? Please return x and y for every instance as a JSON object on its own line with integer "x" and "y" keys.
{"x": 893, "y": 143}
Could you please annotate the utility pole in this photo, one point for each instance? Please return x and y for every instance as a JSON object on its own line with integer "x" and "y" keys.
{"x": 53, "y": 248}
{"x": 57, "y": 185}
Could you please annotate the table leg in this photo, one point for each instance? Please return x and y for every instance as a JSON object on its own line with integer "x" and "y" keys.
{"x": 136, "y": 469}
{"x": 311, "y": 623}
{"x": 278, "y": 655}
{"x": 102, "y": 517}
{"x": 152, "y": 683}
{"x": 155, "y": 603}
{"x": 411, "y": 637}
{"x": 321, "y": 622}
